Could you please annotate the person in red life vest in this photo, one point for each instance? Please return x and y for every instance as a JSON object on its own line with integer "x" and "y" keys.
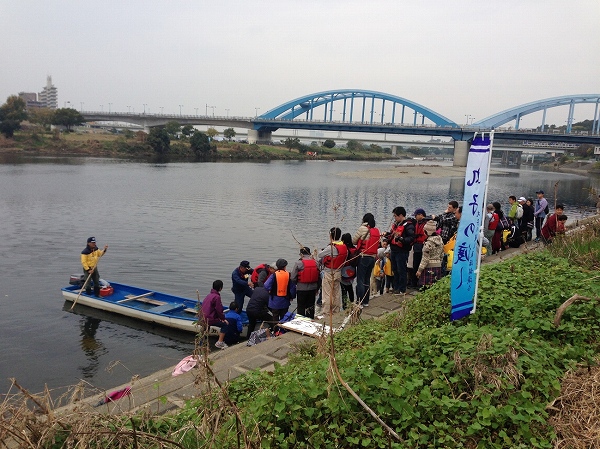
{"x": 417, "y": 249}
{"x": 332, "y": 258}
{"x": 555, "y": 224}
{"x": 89, "y": 260}
{"x": 305, "y": 274}
{"x": 401, "y": 237}
{"x": 261, "y": 273}
{"x": 242, "y": 285}
{"x": 281, "y": 290}
{"x": 366, "y": 240}
{"x": 211, "y": 313}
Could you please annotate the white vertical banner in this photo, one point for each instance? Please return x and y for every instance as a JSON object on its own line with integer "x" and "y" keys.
{"x": 465, "y": 264}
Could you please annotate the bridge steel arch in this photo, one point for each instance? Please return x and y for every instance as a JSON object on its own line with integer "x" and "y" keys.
{"x": 376, "y": 102}
{"x": 516, "y": 113}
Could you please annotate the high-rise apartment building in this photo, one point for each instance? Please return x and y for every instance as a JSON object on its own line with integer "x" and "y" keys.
{"x": 49, "y": 95}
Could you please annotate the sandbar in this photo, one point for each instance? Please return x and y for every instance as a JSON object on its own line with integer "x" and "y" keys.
{"x": 407, "y": 171}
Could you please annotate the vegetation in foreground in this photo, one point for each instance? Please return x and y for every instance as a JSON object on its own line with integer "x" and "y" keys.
{"x": 490, "y": 381}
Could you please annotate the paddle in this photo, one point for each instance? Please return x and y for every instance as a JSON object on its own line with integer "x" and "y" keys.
{"x": 81, "y": 289}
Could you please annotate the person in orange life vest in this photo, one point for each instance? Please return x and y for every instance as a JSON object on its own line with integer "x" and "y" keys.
{"x": 281, "y": 290}
{"x": 366, "y": 240}
{"x": 332, "y": 258}
{"x": 348, "y": 271}
{"x": 242, "y": 286}
{"x": 401, "y": 238}
{"x": 554, "y": 224}
{"x": 417, "y": 248}
{"x": 305, "y": 274}
{"x": 89, "y": 260}
{"x": 212, "y": 314}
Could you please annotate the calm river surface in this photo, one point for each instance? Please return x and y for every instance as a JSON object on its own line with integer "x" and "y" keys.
{"x": 175, "y": 228}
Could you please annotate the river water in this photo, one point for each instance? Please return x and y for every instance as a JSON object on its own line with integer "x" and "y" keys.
{"x": 175, "y": 228}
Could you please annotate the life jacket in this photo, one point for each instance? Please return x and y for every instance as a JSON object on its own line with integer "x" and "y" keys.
{"x": 397, "y": 231}
{"x": 310, "y": 273}
{"x": 449, "y": 246}
{"x": 281, "y": 284}
{"x": 420, "y": 235}
{"x": 371, "y": 244}
{"x": 257, "y": 271}
{"x": 494, "y": 222}
{"x": 337, "y": 261}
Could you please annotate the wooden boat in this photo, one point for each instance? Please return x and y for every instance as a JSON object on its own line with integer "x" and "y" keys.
{"x": 161, "y": 308}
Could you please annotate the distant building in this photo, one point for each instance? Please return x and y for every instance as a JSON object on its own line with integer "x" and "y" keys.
{"x": 48, "y": 97}
{"x": 30, "y": 99}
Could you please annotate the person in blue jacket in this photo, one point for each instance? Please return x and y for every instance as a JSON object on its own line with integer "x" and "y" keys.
{"x": 242, "y": 285}
{"x": 234, "y": 326}
{"x": 281, "y": 290}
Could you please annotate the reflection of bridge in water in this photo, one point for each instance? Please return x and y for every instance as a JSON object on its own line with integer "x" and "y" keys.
{"x": 362, "y": 111}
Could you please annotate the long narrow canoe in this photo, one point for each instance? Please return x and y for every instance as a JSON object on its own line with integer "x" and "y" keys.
{"x": 161, "y": 308}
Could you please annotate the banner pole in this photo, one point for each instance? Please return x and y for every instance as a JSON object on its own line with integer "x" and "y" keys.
{"x": 487, "y": 182}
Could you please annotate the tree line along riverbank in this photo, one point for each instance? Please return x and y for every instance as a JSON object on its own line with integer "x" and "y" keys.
{"x": 519, "y": 373}
{"x": 140, "y": 146}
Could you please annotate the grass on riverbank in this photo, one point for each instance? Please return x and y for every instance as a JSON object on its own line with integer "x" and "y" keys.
{"x": 35, "y": 142}
{"x": 492, "y": 380}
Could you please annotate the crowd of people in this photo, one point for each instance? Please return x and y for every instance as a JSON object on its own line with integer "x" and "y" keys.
{"x": 413, "y": 254}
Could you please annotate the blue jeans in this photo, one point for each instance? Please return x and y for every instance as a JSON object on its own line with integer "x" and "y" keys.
{"x": 363, "y": 278}
{"x": 399, "y": 261}
{"x": 240, "y": 297}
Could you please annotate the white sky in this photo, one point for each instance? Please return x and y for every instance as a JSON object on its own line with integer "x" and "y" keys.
{"x": 456, "y": 57}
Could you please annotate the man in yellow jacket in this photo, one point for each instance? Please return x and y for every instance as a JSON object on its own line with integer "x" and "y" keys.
{"x": 89, "y": 259}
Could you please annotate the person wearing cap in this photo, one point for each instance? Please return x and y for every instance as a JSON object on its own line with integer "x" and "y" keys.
{"x": 417, "y": 248}
{"x": 430, "y": 268}
{"x": 526, "y": 222}
{"x": 305, "y": 274}
{"x": 89, "y": 260}
{"x": 242, "y": 285}
{"x": 539, "y": 213}
{"x": 281, "y": 290}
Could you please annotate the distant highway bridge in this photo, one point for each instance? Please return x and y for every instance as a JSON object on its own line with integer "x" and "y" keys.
{"x": 364, "y": 111}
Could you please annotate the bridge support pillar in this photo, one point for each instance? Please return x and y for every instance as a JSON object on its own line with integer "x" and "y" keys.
{"x": 255, "y": 136}
{"x": 461, "y": 153}
{"x": 394, "y": 150}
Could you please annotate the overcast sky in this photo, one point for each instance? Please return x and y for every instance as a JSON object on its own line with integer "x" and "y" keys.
{"x": 456, "y": 57}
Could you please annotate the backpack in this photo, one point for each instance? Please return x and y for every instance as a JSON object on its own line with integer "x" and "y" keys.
{"x": 519, "y": 212}
{"x": 547, "y": 210}
{"x": 503, "y": 224}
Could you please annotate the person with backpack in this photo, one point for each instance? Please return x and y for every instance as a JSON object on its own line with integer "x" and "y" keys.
{"x": 540, "y": 212}
{"x": 306, "y": 275}
{"x": 516, "y": 210}
{"x": 366, "y": 240}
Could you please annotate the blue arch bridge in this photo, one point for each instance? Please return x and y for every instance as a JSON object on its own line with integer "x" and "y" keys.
{"x": 365, "y": 111}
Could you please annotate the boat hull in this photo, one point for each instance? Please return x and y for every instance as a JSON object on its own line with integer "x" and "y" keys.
{"x": 167, "y": 310}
